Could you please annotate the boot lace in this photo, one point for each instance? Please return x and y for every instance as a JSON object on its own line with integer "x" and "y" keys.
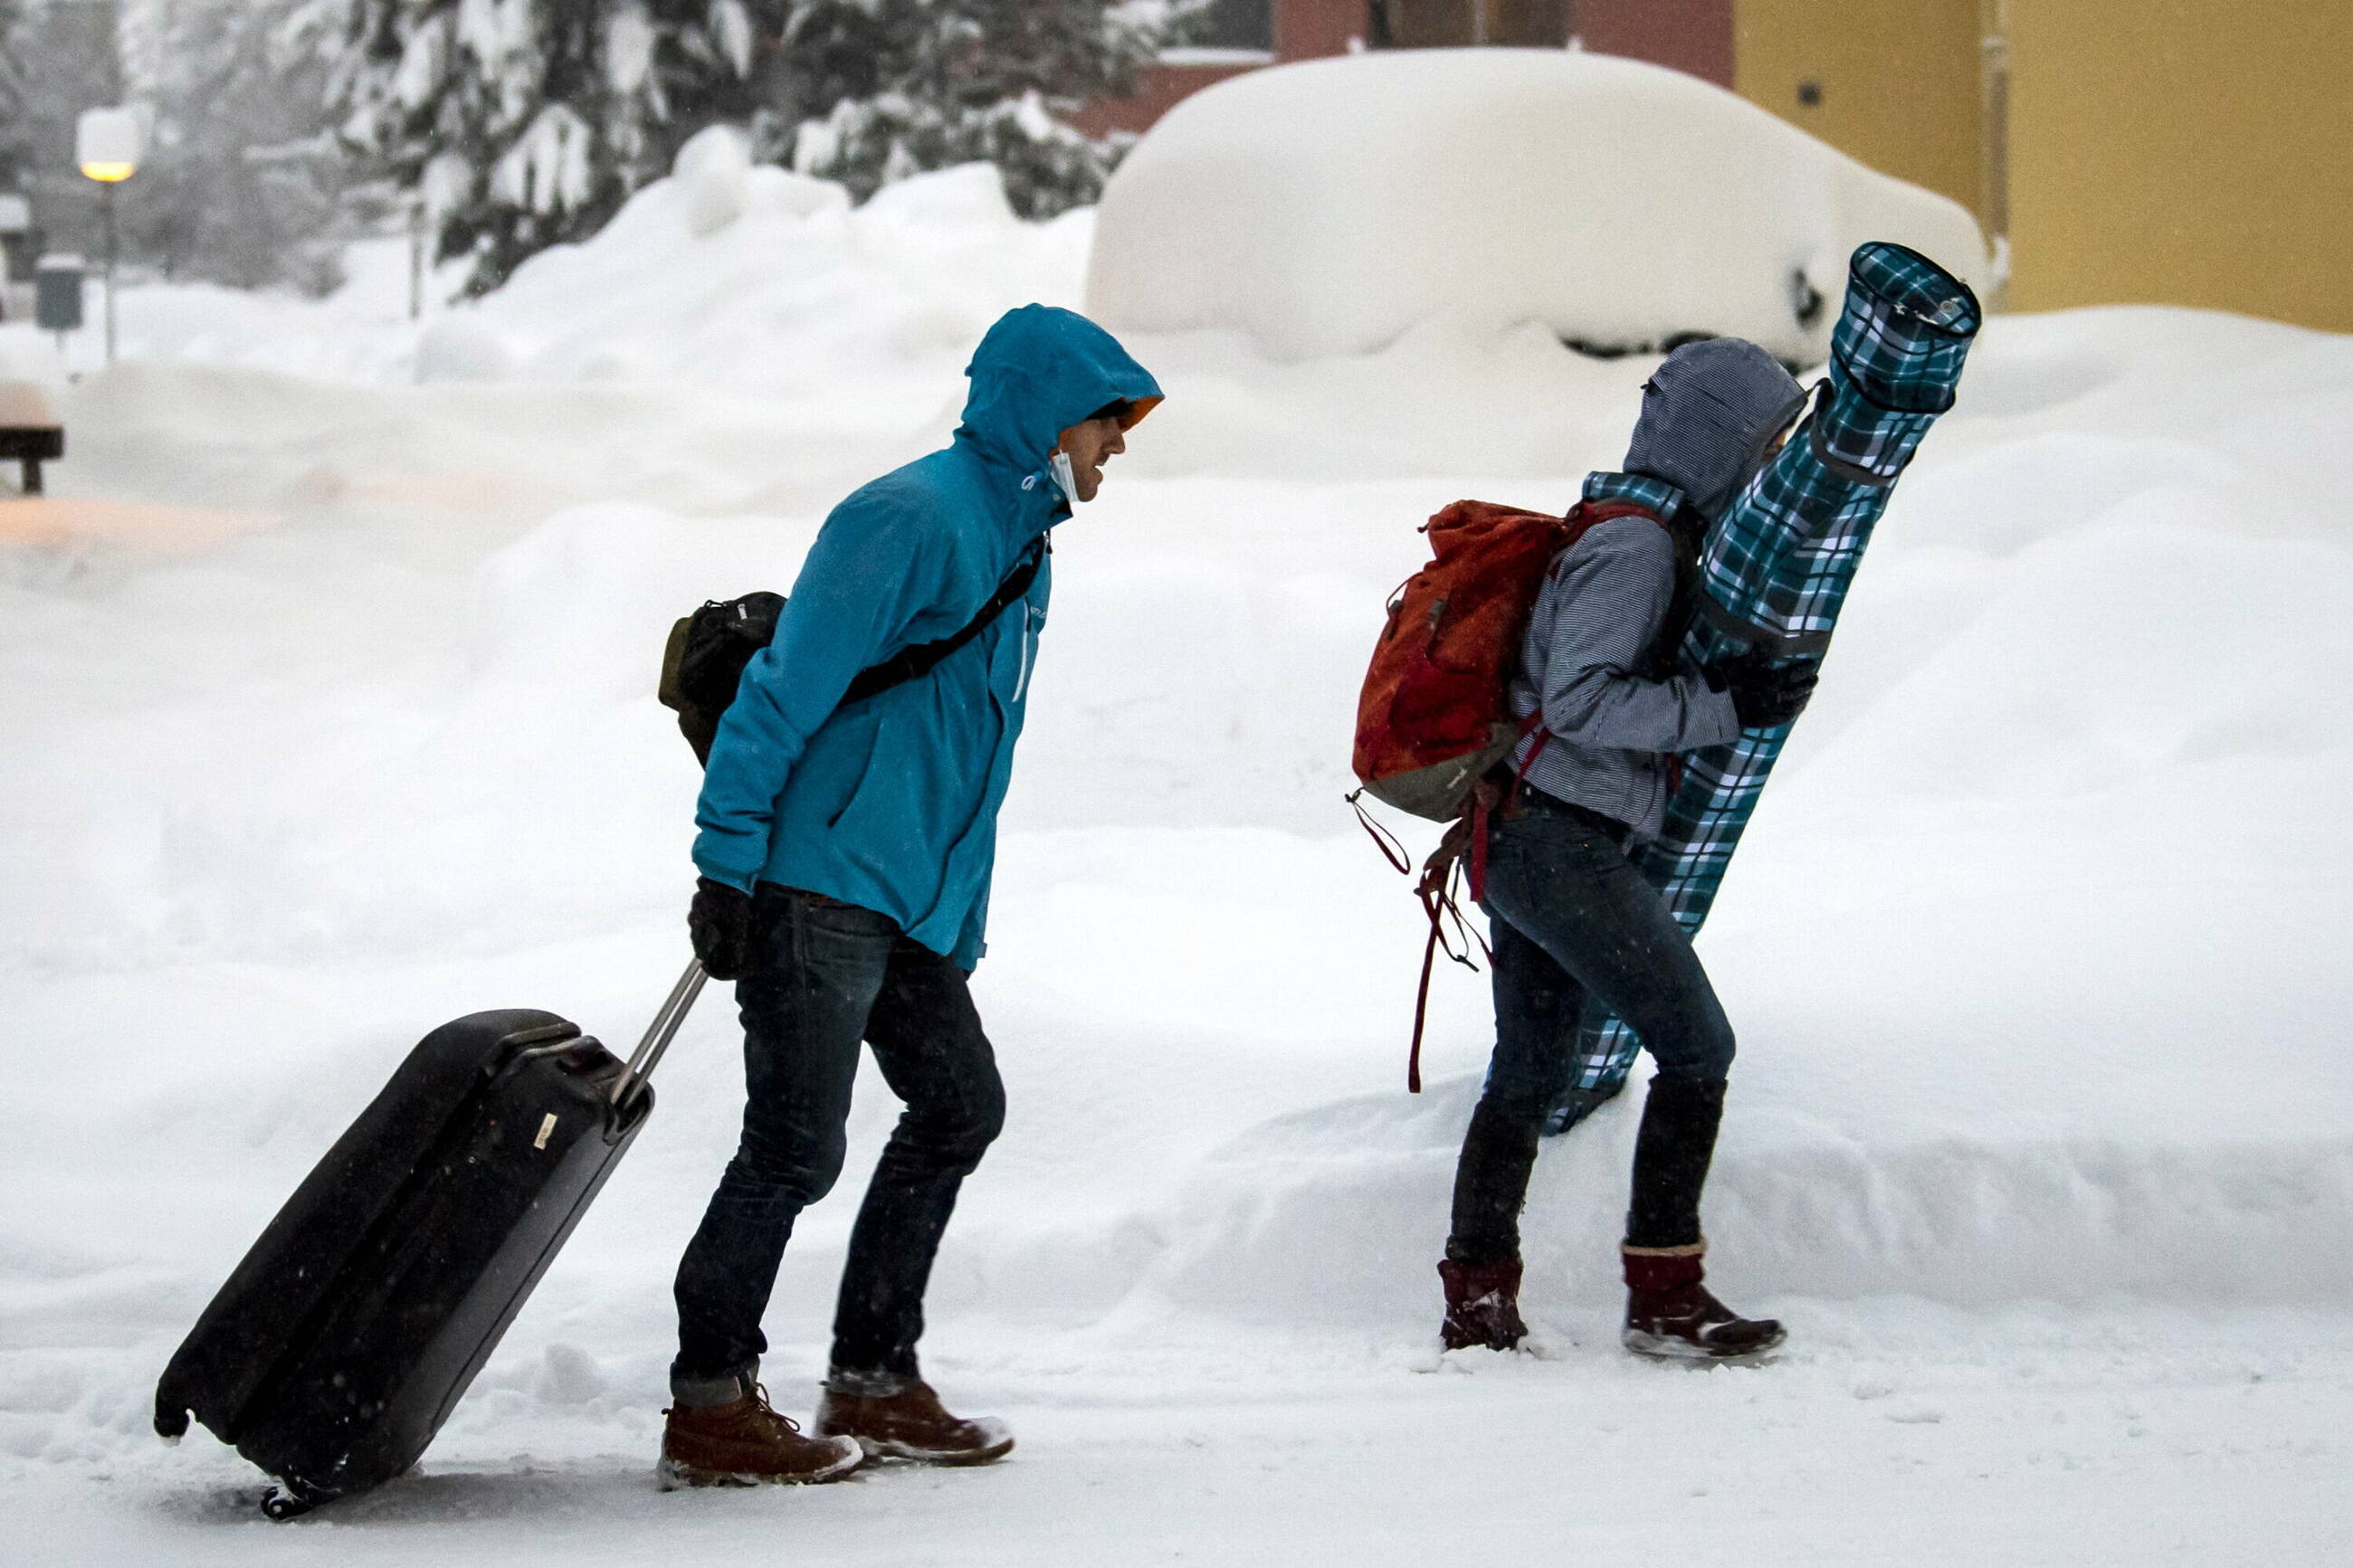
{"x": 760, "y": 1406}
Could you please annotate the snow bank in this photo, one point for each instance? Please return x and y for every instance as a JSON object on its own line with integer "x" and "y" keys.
{"x": 1329, "y": 206}
{"x": 725, "y": 274}
{"x": 737, "y": 339}
{"x": 759, "y": 277}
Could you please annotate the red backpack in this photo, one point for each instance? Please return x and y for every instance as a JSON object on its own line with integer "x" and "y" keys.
{"x": 1436, "y": 713}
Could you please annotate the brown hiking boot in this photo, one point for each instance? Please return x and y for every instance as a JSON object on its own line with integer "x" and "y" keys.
{"x": 745, "y": 1444}
{"x": 1670, "y": 1314}
{"x": 911, "y": 1425}
{"x": 1482, "y": 1305}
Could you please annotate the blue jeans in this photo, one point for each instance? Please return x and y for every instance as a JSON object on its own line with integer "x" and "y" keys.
{"x": 825, "y": 976}
{"x": 1572, "y": 922}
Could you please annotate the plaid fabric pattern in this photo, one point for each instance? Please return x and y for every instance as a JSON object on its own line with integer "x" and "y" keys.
{"x": 1776, "y": 567}
{"x": 1651, "y": 495}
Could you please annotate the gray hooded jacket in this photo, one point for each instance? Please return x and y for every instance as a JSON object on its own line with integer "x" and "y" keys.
{"x": 1707, "y": 414}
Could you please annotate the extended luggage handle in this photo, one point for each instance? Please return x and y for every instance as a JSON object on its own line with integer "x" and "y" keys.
{"x": 661, "y": 1031}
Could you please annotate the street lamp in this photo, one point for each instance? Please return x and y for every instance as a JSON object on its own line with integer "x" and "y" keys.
{"x": 107, "y": 143}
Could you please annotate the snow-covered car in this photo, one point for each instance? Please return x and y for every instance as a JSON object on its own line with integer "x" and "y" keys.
{"x": 1330, "y": 207}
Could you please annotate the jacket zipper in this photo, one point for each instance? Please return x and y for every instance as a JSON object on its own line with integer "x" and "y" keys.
{"x": 1028, "y": 621}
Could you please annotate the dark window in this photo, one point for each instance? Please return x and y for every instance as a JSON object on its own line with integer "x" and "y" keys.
{"x": 1459, "y": 24}
{"x": 1222, "y": 24}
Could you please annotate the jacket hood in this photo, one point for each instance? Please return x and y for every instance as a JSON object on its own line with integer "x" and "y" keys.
{"x": 1039, "y": 371}
{"x": 1707, "y": 413}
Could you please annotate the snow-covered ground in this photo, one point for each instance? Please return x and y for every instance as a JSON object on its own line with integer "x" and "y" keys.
{"x": 2040, "y": 1139}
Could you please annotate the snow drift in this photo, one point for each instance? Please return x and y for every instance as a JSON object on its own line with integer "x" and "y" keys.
{"x": 1327, "y": 207}
{"x": 737, "y": 339}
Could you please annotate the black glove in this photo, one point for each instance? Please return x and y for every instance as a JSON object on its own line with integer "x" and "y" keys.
{"x": 720, "y": 923}
{"x": 1765, "y": 695}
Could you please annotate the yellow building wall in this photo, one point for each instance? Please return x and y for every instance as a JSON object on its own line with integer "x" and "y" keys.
{"x": 2183, "y": 151}
{"x": 2167, "y": 152}
{"x": 1898, "y": 81}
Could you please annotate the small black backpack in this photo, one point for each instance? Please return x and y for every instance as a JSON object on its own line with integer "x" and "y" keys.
{"x": 708, "y": 650}
{"x": 704, "y": 661}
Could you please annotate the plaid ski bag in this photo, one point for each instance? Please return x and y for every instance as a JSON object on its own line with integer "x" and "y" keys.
{"x": 1775, "y": 569}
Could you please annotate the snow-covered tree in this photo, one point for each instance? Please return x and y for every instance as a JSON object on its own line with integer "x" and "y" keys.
{"x": 524, "y": 123}
{"x": 884, "y": 88}
{"x": 242, "y": 182}
{"x": 56, "y": 60}
{"x": 15, "y": 98}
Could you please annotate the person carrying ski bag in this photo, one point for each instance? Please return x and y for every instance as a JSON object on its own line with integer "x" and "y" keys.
{"x": 1601, "y": 707}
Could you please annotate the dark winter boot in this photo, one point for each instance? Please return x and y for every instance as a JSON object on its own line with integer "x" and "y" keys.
{"x": 1482, "y": 1305}
{"x": 1671, "y": 1315}
{"x": 909, "y": 1423}
{"x": 743, "y": 1443}
{"x": 1669, "y": 1311}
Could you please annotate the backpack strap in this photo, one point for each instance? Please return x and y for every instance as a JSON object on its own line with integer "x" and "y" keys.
{"x": 1588, "y": 515}
{"x": 1582, "y": 518}
{"x": 1436, "y": 892}
{"x": 910, "y": 663}
{"x": 1818, "y": 437}
{"x": 1779, "y": 644}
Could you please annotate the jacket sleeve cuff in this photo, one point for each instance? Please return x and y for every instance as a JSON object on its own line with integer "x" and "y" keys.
{"x": 1718, "y": 718}
{"x": 734, "y": 877}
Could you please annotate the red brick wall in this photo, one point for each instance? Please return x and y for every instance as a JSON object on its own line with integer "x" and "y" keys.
{"x": 1303, "y": 30}
{"x": 1158, "y": 89}
{"x": 1311, "y": 29}
{"x": 1693, "y": 36}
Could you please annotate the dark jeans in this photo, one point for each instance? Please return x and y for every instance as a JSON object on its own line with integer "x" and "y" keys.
{"x": 1571, "y": 920}
{"x": 825, "y": 975}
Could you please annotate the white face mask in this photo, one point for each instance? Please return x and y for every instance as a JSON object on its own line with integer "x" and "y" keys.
{"x": 1065, "y": 477}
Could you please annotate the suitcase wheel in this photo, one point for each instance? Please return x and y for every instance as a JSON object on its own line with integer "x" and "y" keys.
{"x": 281, "y": 1505}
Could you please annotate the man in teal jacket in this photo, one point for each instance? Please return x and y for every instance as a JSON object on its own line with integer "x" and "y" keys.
{"x": 845, "y": 848}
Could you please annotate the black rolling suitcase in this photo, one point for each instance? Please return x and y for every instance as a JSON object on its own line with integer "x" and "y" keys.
{"x": 339, "y": 1346}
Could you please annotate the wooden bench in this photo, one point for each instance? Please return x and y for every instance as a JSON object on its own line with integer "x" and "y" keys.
{"x": 29, "y": 431}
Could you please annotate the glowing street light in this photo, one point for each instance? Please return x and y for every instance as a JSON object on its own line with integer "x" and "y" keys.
{"x": 108, "y": 144}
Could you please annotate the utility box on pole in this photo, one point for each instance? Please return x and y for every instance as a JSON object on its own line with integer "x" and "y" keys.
{"x": 57, "y": 284}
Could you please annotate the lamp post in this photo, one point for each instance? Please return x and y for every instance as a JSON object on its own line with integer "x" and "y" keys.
{"x": 107, "y": 144}
{"x": 416, "y": 258}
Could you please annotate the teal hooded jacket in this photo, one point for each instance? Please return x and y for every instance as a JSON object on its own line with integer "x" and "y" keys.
{"x": 890, "y": 803}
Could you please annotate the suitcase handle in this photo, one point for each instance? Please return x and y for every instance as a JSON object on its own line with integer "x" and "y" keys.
{"x": 661, "y": 1031}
